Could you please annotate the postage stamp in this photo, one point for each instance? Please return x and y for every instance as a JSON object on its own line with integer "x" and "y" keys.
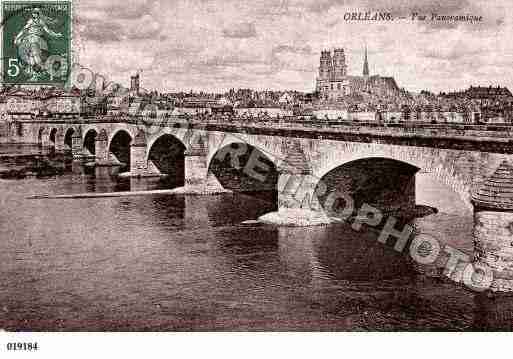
{"x": 36, "y": 42}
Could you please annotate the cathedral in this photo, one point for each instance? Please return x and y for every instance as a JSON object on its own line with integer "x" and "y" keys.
{"x": 334, "y": 83}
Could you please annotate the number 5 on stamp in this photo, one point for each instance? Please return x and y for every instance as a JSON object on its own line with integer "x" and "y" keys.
{"x": 36, "y": 42}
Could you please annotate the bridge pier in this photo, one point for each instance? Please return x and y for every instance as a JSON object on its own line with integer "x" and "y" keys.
{"x": 198, "y": 179}
{"x": 59, "y": 141}
{"x": 102, "y": 157}
{"x": 139, "y": 164}
{"x": 76, "y": 145}
{"x": 297, "y": 191}
{"x": 45, "y": 138}
{"x": 493, "y": 227}
{"x": 298, "y": 203}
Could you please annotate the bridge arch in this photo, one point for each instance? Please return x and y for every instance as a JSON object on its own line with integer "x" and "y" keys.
{"x": 52, "y": 137}
{"x": 89, "y": 142}
{"x": 425, "y": 160}
{"x": 271, "y": 147}
{"x": 41, "y": 136}
{"x": 383, "y": 183}
{"x": 119, "y": 146}
{"x": 117, "y": 129}
{"x": 167, "y": 154}
{"x": 153, "y": 138}
{"x": 241, "y": 167}
{"x": 68, "y": 138}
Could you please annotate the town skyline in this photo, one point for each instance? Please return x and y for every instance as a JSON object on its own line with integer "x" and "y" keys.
{"x": 214, "y": 46}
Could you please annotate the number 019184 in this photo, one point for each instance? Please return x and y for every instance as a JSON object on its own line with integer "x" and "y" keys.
{"x": 22, "y": 347}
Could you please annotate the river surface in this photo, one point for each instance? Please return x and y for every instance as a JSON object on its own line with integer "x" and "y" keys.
{"x": 187, "y": 263}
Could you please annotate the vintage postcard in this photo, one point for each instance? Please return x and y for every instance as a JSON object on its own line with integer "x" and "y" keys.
{"x": 255, "y": 166}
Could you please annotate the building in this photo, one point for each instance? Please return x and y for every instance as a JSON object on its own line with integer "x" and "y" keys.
{"x": 118, "y": 104}
{"x": 495, "y": 103}
{"x": 334, "y": 83}
{"x": 64, "y": 103}
{"x": 196, "y": 105}
{"x": 20, "y": 101}
{"x": 263, "y": 111}
{"x": 48, "y": 101}
{"x": 135, "y": 85}
{"x": 286, "y": 99}
{"x": 483, "y": 94}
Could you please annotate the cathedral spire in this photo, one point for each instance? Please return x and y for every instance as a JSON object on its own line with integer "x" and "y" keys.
{"x": 365, "y": 64}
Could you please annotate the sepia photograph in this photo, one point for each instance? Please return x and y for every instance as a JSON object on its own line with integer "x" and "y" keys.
{"x": 265, "y": 166}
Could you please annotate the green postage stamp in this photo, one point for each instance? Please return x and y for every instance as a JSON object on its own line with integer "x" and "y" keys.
{"x": 36, "y": 42}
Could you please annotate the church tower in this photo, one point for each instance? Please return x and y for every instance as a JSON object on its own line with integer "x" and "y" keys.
{"x": 365, "y": 66}
{"x": 339, "y": 65}
{"x": 325, "y": 73}
{"x": 134, "y": 84}
{"x": 326, "y": 65}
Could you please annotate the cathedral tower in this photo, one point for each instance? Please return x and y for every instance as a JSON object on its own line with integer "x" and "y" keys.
{"x": 326, "y": 65}
{"x": 134, "y": 84}
{"x": 365, "y": 66}
{"x": 325, "y": 72}
{"x": 339, "y": 65}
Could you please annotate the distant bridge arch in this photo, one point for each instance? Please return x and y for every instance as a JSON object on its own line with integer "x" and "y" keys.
{"x": 384, "y": 183}
{"x": 89, "y": 142}
{"x": 166, "y": 153}
{"x": 121, "y": 130}
{"x": 42, "y": 136}
{"x": 52, "y": 137}
{"x": 164, "y": 133}
{"x": 68, "y": 138}
{"x": 241, "y": 167}
{"x": 119, "y": 146}
{"x": 271, "y": 147}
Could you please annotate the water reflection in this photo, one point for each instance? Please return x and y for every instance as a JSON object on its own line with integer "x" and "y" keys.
{"x": 493, "y": 313}
{"x": 253, "y": 250}
{"x": 343, "y": 253}
{"x": 104, "y": 179}
{"x": 166, "y": 212}
{"x": 236, "y": 208}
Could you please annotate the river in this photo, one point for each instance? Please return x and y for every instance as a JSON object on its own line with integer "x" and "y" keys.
{"x": 187, "y": 263}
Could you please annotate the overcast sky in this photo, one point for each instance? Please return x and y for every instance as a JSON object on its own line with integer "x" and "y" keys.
{"x": 215, "y": 45}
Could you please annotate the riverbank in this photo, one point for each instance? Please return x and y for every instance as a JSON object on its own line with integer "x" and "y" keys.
{"x": 14, "y": 166}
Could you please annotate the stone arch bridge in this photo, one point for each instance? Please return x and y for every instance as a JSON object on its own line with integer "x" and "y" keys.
{"x": 301, "y": 167}
{"x": 142, "y": 147}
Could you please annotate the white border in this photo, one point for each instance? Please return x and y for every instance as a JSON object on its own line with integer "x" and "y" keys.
{"x": 262, "y": 345}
